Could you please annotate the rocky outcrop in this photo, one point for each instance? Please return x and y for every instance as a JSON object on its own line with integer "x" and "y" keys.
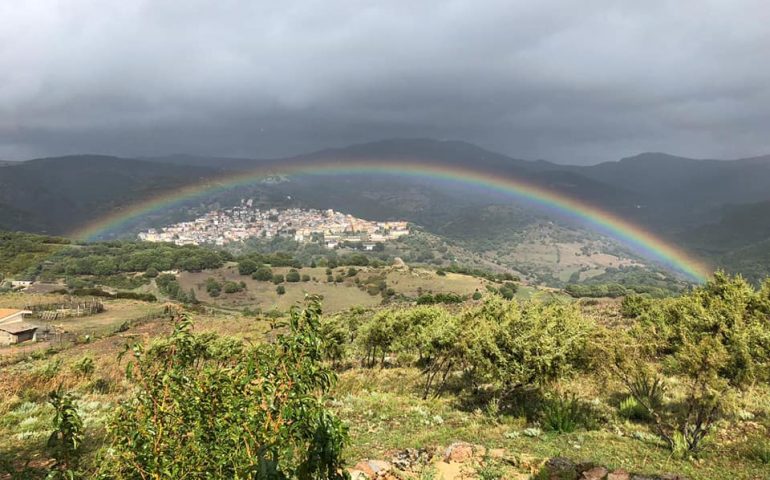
{"x": 561, "y": 468}
{"x": 462, "y": 461}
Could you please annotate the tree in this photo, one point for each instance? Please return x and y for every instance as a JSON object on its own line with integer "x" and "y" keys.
{"x": 247, "y": 266}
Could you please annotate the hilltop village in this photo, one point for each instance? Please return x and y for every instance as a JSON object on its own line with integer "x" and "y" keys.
{"x": 327, "y": 227}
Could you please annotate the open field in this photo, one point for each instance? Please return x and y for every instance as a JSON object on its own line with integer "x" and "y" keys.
{"x": 336, "y": 296}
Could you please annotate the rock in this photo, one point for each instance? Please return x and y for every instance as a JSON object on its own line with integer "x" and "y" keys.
{"x": 452, "y": 471}
{"x": 364, "y": 468}
{"x": 379, "y": 467}
{"x": 619, "y": 474}
{"x": 596, "y": 473}
{"x": 357, "y": 474}
{"x": 408, "y": 459}
{"x": 462, "y": 452}
{"x": 373, "y": 468}
{"x": 560, "y": 468}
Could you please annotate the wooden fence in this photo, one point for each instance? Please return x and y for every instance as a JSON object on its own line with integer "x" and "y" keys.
{"x": 49, "y": 312}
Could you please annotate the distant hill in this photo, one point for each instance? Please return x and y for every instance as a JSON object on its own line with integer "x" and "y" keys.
{"x": 714, "y": 206}
{"x": 683, "y": 192}
{"x": 57, "y": 195}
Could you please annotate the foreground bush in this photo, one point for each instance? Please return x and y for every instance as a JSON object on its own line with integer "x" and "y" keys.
{"x": 714, "y": 341}
{"x": 208, "y": 407}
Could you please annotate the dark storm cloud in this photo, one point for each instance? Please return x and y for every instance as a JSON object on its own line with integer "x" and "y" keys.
{"x": 571, "y": 81}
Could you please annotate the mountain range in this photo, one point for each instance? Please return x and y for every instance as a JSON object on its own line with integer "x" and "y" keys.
{"x": 719, "y": 209}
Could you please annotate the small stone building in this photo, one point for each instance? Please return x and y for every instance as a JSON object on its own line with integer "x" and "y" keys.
{"x": 13, "y": 328}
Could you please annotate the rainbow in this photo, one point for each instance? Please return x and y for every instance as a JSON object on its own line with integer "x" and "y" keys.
{"x": 640, "y": 240}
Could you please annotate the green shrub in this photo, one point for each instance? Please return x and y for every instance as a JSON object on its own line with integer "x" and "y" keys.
{"x": 280, "y": 290}
{"x": 84, "y": 367}
{"x": 233, "y": 287}
{"x": 208, "y": 406}
{"x": 144, "y": 297}
{"x": 151, "y": 273}
{"x": 263, "y": 274}
{"x": 631, "y": 409}
{"x": 293, "y": 276}
{"x": 757, "y": 448}
{"x": 64, "y": 444}
{"x": 563, "y": 414}
{"x": 247, "y": 266}
{"x": 213, "y": 287}
{"x": 278, "y": 278}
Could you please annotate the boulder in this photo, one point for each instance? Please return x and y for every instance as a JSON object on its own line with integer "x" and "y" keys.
{"x": 373, "y": 468}
{"x": 460, "y": 452}
{"x": 410, "y": 458}
{"x": 364, "y": 468}
{"x": 357, "y": 474}
{"x": 560, "y": 468}
{"x": 619, "y": 474}
{"x": 595, "y": 473}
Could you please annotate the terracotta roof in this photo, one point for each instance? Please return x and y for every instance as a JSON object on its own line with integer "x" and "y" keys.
{"x": 7, "y": 312}
{"x": 17, "y": 327}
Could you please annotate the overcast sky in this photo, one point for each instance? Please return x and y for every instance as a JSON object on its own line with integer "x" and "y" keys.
{"x": 569, "y": 81}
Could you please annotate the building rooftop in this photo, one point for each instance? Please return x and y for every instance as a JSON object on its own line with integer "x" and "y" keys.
{"x": 7, "y": 312}
{"x": 17, "y": 327}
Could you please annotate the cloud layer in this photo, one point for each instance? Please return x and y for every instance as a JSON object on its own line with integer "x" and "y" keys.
{"x": 569, "y": 81}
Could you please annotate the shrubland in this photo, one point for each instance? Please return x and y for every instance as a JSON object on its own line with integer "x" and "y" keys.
{"x": 679, "y": 383}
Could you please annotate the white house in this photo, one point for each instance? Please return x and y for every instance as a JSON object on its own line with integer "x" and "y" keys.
{"x": 13, "y": 328}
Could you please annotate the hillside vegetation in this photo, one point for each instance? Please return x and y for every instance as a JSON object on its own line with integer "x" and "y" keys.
{"x": 676, "y": 384}
{"x": 702, "y": 204}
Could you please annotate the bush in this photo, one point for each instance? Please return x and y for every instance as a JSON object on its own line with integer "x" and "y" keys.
{"x": 278, "y": 278}
{"x": 293, "y": 276}
{"x": 562, "y": 414}
{"x": 64, "y": 444}
{"x": 151, "y": 273}
{"x": 233, "y": 287}
{"x": 210, "y": 405}
{"x": 84, "y": 367}
{"x": 280, "y": 290}
{"x": 263, "y": 274}
{"x": 631, "y": 409}
{"x": 757, "y": 448}
{"x": 144, "y": 297}
{"x": 213, "y": 287}
{"x": 712, "y": 339}
{"x": 247, "y": 266}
